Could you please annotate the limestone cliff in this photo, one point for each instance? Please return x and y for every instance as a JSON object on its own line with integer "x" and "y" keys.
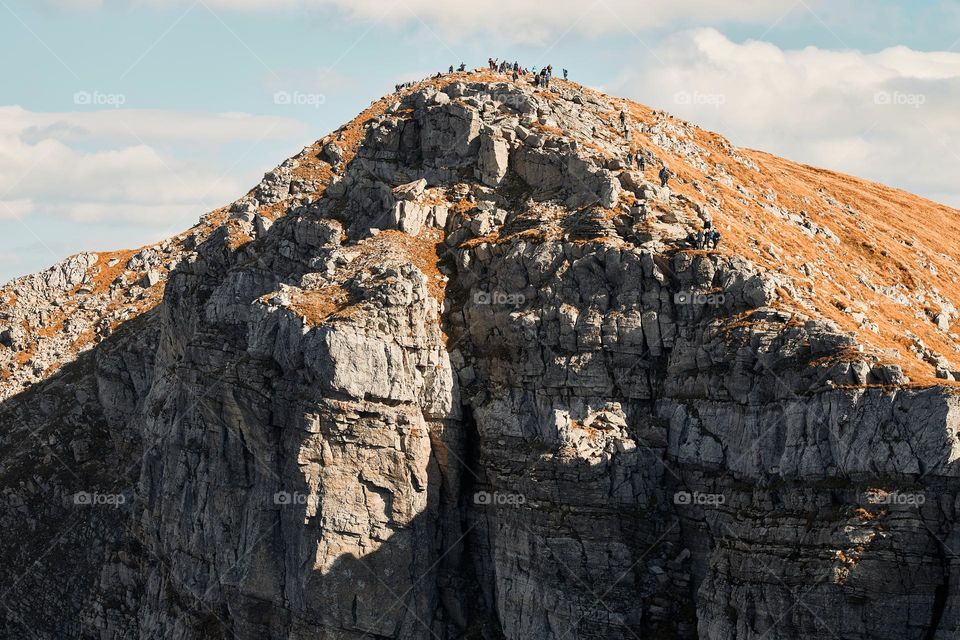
{"x": 453, "y": 371}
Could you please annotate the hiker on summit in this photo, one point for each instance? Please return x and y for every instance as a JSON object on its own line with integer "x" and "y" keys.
{"x": 564, "y": 74}
{"x": 451, "y": 69}
{"x": 664, "y": 176}
{"x": 463, "y": 67}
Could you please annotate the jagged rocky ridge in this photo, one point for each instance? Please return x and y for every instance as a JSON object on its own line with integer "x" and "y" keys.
{"x": 451, "y": 372}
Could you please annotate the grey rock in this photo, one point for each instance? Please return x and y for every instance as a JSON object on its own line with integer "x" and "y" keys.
{"x": 308, "y": 425}
{"x": 493, "y": 160}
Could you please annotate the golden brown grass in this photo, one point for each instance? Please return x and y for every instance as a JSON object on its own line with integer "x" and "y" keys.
{"x": 316, "y": 306}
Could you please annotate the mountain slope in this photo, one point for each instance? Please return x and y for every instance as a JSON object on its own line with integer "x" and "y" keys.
{"x": 453, "y": 371}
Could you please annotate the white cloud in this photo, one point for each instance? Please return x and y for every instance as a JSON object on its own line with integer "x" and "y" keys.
{"x": 888, "y": 116}
{"x": 530, "y": 21}
{"x": 12, "y": 209}
{"x": 533, "y": 21}
{"x": 138, "y": 125}
{"x": 114, "y": 165}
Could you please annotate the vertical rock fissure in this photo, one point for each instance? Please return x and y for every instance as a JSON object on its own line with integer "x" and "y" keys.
{"x": 941, "y": 592}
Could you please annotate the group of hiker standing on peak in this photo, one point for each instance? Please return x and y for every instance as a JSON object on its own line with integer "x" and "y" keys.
{"x": 540, "y": 78}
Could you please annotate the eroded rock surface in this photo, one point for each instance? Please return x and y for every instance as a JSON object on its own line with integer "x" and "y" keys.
{"x": 454, "y": 372}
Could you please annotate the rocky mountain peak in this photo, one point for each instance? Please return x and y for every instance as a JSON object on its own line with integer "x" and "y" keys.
{"x": 833, "y": 247}
{"x": 465, "y": 367}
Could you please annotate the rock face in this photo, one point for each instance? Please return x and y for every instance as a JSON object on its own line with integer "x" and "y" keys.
{"x": 453, "y": 372}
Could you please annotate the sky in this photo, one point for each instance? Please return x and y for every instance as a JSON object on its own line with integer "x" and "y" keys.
{"x": 123, "y": 121}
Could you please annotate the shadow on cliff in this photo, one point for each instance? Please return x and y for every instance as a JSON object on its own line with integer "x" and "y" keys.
{"x": 68, "y": 468}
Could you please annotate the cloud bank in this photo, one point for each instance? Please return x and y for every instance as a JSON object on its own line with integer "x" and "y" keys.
{"x": 525, "y": 21}
{"x": 116, "y": 165}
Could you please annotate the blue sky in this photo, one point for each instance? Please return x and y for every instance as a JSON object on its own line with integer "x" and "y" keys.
{"x": 122, "y": 121}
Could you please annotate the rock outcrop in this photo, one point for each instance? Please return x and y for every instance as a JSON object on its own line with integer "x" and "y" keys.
{"x": 454, "y": 371}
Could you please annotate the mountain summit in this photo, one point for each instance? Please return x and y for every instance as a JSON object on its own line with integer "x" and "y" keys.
{"x": 467, "y": 368}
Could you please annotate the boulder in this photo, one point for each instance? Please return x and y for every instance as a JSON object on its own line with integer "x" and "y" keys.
{"x": 493, "y": 161}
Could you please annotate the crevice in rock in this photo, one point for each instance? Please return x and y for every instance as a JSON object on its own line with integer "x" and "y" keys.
{"x": 941, "y": 593}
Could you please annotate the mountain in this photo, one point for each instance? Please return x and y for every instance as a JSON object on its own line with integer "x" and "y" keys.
{"x": 456, "y": 370}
